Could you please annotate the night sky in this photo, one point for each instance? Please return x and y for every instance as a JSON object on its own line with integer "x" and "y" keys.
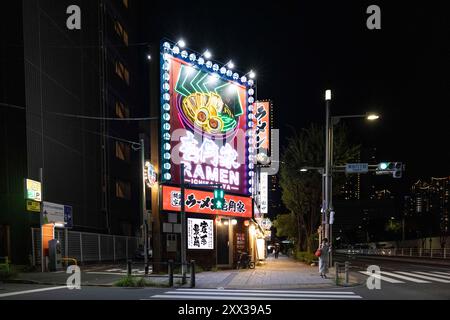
{"x": 301, "y": 48}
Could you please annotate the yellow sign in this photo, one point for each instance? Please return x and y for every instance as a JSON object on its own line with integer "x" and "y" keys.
{"x": 33, "y": 206}
{"x": 33, "y": 190}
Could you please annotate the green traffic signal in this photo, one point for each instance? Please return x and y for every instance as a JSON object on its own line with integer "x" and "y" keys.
{"x": 383, "y": 165}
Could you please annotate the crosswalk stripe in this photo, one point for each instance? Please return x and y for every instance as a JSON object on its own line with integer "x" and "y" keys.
{"x": 387, "y": 279}
{"x": 404, "y": 277}
{"x": 424, "y": 277}
{"x": 434, "y": 274}
{"x": 221, "y": 293}
{"x": 268, "y": 291}
{"x": 444, "y": 273}
{"x": 205, "y": 297}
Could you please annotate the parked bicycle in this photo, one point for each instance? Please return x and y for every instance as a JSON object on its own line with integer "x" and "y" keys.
{"x": 244, "y": 261}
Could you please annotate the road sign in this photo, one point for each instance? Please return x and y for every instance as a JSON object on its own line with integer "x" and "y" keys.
{"x": 33, "y": 206}
{"x": 356, "y": 168}
{"x": 57, "y": 213}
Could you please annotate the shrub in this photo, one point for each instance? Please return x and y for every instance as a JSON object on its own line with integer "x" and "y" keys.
{"x": 306, "y": 257}
{"x": 127, "y": 281}
{"x": 7, "y": 271}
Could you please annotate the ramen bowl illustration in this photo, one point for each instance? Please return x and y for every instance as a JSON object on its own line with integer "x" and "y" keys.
{"x": 206, "y": 112}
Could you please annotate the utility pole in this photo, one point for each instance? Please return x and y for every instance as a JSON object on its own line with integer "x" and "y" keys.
{"x": 41, "y": 218}
{"x": 183, "y": 226}
{"x": 328, "y": 164}
{"x": 143, "y": 206}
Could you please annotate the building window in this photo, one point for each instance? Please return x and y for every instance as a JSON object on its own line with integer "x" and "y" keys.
{"x": 123, "y": 190}
{"x": 122, "y": 72}
{"x": 121, "y": 32}
{"x": 125, "y": 3}
{"x": 121, "y": 110}
{"x": 122, "y": 151}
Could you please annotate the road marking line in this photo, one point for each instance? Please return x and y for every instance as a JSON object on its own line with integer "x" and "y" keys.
{"x": 387, "y": 279}
{"x": 175, "y": 296}
{"x": 282, "y": 295}
{"x": 113, "y": 270}
{"x": 267, "y": 291}
{"x": 424, "y": 277}
{"x": 112, "y": 273}
{"x": 30, "y": 291}
{"x": 404, "y": 277}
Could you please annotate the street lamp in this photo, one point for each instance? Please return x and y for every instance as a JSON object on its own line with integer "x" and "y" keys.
{"x": 372, "y": 116}
{"x": 330, "y": 121}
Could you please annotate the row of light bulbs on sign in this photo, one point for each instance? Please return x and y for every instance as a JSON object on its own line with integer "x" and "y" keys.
{"x": 203, "y": 59}
{"x": 175, "y": 50}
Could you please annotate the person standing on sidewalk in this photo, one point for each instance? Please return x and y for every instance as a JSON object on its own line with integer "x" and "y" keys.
{"x": 323, "y": 259}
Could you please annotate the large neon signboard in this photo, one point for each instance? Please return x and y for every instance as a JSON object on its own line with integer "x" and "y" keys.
{"x": 197, "y": 201}
{"x": 207, "y": 111}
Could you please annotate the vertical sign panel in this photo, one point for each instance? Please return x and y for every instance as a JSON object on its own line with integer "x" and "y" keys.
{"x": 264, "y": 187}
{"x": 262, "y": 116}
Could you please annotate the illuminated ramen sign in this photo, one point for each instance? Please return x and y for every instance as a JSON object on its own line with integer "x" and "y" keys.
{"x": 207, "y": 113}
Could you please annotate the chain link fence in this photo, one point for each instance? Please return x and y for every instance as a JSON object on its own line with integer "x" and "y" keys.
{"x": 87, "y": 247}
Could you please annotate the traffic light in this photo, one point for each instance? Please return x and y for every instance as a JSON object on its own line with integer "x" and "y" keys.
{"x": 398, "y": 169}
{"x": 394, "y": 168}
{"x": 219, "y": 199}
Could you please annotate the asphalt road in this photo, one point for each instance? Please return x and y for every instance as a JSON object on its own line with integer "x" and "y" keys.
{"x": 399, "y": 281}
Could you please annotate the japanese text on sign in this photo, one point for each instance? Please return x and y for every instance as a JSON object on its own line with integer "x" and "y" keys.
{"x": 200, "y": 234}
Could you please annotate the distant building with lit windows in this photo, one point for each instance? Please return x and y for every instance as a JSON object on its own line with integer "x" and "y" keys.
{"x": 430, "y": 200}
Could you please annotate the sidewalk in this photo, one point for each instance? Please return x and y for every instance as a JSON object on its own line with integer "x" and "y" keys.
{"x": 281, "y": 273}
{"x": 88, "y": 278}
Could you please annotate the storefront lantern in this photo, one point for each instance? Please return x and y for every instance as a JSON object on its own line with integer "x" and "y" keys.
{"x": 150, "y": 174}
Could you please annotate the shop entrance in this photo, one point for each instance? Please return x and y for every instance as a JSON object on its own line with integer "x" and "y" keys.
{"x": 223, "y": 243}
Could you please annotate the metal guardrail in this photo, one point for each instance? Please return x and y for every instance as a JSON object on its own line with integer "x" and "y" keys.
{"x": 170, "y": 271}
{"x": 88, "y": 247}
{"x": 339, "y": 268}
{"x": 400, "y": 252}
{"x": 67, "y": 259}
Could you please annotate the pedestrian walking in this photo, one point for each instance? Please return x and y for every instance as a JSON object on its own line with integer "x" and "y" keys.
{"x": 323, "y": 253}
{"x": 277, "y": 250}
